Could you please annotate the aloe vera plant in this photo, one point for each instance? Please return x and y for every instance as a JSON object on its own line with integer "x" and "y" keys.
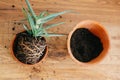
{"x": 30, "y": 46}
{"x": 37, "y": 27}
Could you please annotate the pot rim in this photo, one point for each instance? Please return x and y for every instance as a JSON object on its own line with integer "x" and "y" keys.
{"x": 12, "y": 53}
{"x": 79, "y": 25}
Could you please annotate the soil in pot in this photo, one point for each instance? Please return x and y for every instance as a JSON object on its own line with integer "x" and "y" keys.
{"x": 28, "y": 49}
{"x": 85, "y": 46}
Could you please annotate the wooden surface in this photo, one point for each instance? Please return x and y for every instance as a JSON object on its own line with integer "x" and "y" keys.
{"x": 58, "y": 65}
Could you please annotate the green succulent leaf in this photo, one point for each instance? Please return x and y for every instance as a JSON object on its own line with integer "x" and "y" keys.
{"x": 50, "y": 17}
{"x": 52, "y": 35}
{"x": 54, "y": 25}
{"x": 42, "y": 14}
{"x": 30, "y": 20}
{"x": 25, "y": 14}
{"x": 30, "y": 9}
{"x": 40, "y": 32}
{"x": 36, "y": 22}
{"x": 45, "y": 32}
{"x": 40, "y": 29}
{"x": 23, "y": 20}
{"x": 27, "y": 29}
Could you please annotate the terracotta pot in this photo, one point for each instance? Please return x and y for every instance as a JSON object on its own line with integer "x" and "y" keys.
{"x": 97, "y": 30}
{"x": 12, "y": 52}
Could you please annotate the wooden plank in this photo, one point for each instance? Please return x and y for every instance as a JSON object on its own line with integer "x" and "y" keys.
{"x": 58, "y": 65}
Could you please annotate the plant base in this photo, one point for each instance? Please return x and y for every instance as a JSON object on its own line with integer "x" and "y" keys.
{"x": 28, "y": 49}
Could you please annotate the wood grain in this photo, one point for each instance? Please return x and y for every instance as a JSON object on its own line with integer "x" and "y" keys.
{"x": 58, "y": 65}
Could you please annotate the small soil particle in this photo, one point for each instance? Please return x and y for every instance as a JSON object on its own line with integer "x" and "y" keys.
{"x": 5, "y": 46}
{"x": 60, "y": 16}
{"x": 42, "y": 79}
{"x": 54, "y": 72}
{"x": 14, "y": 22}
{"x": 13, "y": 6}
{"x": 85, "y": 46}
{"x": 55, "y": 2}
{"x": 70, "y": 20}
{"x": 13, "y": 28}
{"x": 19, "y": 23}
{"x": 47, "y": 10}
{"x": 36, "y": 69}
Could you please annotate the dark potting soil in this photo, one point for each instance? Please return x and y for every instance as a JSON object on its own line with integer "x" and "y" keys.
{"x": 28, "y": 49}
{"x": 85, "y": 46}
